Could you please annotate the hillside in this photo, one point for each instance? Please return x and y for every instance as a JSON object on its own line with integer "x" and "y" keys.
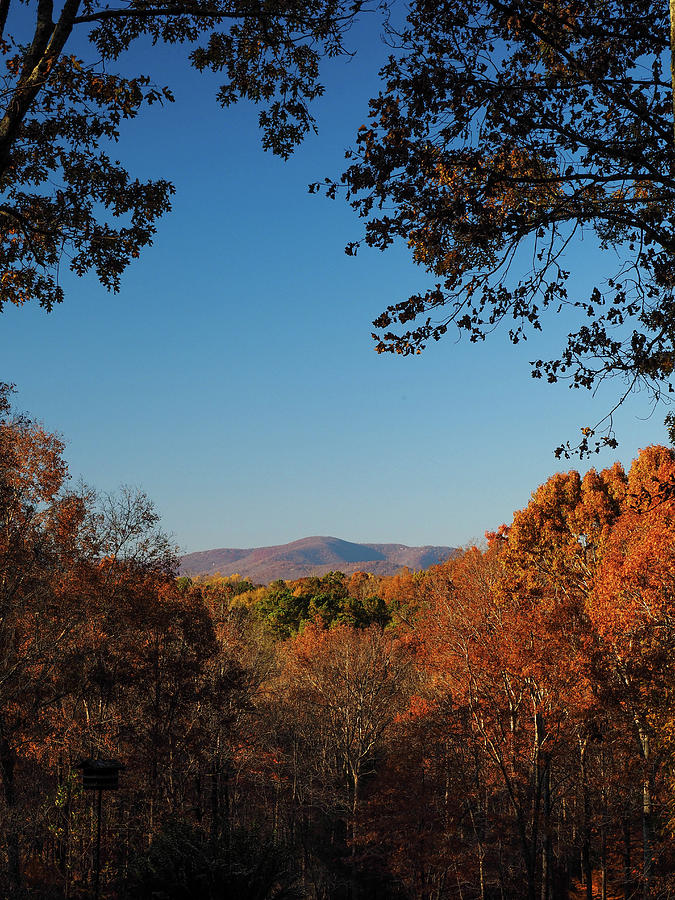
{"x": 311, "y": 556}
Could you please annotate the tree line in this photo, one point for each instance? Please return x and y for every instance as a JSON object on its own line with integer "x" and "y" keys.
{"x": 498, "y": 726}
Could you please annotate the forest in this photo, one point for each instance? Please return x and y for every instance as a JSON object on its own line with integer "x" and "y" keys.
{"x": 498, "y": 726}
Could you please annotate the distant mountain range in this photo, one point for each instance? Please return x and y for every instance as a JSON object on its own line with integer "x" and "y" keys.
{"x": 312, "y": 556}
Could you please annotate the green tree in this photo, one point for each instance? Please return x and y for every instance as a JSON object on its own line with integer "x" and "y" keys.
{"x": 62, "y": 196}
{"x": 281, "y": 609}
{"x": 504, "y": 130}
{"x": 286, "y": 606}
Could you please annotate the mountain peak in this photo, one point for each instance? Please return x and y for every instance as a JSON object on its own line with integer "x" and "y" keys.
{"x": 314, "y": 555}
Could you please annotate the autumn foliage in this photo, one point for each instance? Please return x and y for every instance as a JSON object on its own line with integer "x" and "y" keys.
{"x": 497, "y": 726}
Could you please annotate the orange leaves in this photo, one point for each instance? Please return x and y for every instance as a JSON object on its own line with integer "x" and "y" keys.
{"x": 557, "y": 541}
{"x": 418, "y": 708}
{"x": 635, "y": 589}
{"x": 351, "y": 680}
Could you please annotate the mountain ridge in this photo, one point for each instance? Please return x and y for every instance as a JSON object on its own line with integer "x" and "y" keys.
{"x": 313, "y": 555}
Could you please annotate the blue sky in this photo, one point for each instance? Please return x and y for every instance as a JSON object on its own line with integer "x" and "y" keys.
{"x": 234, "y": 379}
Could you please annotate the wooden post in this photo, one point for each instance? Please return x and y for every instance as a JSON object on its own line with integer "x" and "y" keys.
{"x": 97, "y": 861}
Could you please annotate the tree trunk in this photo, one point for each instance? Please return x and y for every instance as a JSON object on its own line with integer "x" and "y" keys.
{"x": 603, "y": 829}
{"x": 7, "y": 764}
{"x": 481, "y": 871}
{"x": 215, "y": 803}
{"x": 355, "y": 807}
{"x": 586, "y": 866}
{"x": 627, "y": 879}
{"x": 646, "y": 814}
{"x": 547, "y": 849}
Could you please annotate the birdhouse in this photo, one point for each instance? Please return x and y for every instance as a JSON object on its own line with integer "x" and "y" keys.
{"x": 100, "y": 774}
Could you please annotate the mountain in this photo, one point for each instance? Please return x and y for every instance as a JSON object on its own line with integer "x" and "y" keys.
{"x": 312, "y": 556}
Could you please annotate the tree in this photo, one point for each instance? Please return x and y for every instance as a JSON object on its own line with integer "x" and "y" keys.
{"x": 182, "y": 863}
{"x": 590, "y": 560}
{"x": 505, "y": 129}
{"x": 631, "y": 607}
{"x": 285, "y": 606}
{"x": 551, "y": 554}
{"x": 500, "y": 672}
{"x": 347, "y": 684}
{"x": 62, "y": 196}
{"x": 40, "y": 528}
{"x": 95, "y": 639}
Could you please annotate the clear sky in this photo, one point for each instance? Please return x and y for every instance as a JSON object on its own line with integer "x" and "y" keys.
{"x": 234, "y": 379}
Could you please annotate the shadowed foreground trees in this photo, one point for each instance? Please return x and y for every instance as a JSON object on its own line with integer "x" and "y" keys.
{"x": 65, "y": 198}
{"x": 506, "y": 130}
